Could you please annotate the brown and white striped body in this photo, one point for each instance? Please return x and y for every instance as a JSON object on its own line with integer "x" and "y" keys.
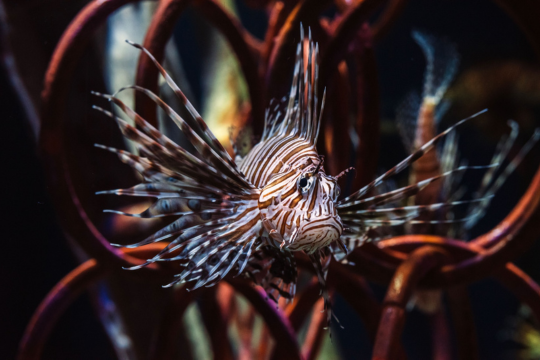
{"x": 300, "y": 218}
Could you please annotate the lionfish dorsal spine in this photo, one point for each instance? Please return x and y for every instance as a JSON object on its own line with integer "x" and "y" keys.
{"x": 196, "y": 123}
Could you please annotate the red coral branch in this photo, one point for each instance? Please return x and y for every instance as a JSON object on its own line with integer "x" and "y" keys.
{"x": 54, "y": 304}
{"x": 463, "y": 321}
{"x": 71, "y": 214}
{"x": 171, "y": 329}
{"x": 279, "y": 326}
{"x": 399, "y": 292}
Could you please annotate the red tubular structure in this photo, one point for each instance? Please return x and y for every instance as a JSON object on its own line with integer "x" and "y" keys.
{"x": 73, "y": 217}
{"x": 91, "y": 271}
{"x": 404, "y": 263}
{"x": 339, "y": 107}
{"x": 171, "y": 329}
{"x": 367, "y": 114}
{"x": 54, "y": 305}
{"x": 521, "y": 284}
{"x": 315, "y": 334}
{"x": 216, "y": 324}
{"x": 462, "y": 318}
{"x": 385, "y": 21}
{"x": 398, "y": 295}
{"x": 279, "y": 326}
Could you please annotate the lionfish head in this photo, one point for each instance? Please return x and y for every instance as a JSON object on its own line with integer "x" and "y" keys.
{"x": 298, "y": 208}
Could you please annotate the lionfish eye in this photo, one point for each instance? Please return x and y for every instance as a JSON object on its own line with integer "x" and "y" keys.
{"x": 303, "y": 182}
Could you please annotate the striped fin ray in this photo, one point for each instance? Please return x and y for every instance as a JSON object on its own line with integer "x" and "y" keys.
{"x": 150, "y": 133}
{"x": 405, "y": 212}
{"x": 162, "y": 191}
{"x": 500, "y": 155}
{"x": 449, "y": 158}
{"x": 361, "y": 234}
{"x": 320, "y": 261}
{"x": 173, "y": 156}
{"x": 404, "y": 192}
{"x": 206, "y": 151}
{"x": 177, "y": 207}
{"x": 175, "y": 211}
{"x": 177, "y": 158}
{"x": 405, "y": 163}
{"x": 350, "y": 243}
{"x": 197, "y": 123}
{"x": 149, "y": 170}
{"x": 182, "y": 228}
{"x": 361, "y": 231}
{"x": 156, "y": 190}
{"x": 218, "y": 219}
{"x": 272, "y": 115}
{"x": 381, "y": 223}
{"x": 209, "y": 250}
{"x": 292, "y": 106}
{"x": 301, "y": 117}
{"x": 211, "y": 255}
{"x": 476, "y": 212}
{"x": 153, "y": 172}
{"x": 395, "y": 222}
{"x": 144, "y": 125}
{"x": 233, "y": 232}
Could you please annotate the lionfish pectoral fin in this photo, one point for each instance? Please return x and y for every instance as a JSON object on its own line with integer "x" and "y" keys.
{"x": 490, "y": 187}
{"x": 405, "y": 163}
{"x": 220, "y": 218}
{"x": 196, "y": 122}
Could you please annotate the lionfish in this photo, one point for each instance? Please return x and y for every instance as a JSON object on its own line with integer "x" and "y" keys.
{"x": 252, "y": 213}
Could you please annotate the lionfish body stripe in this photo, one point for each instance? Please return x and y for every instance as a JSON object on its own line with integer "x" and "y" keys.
{"x": 251, "y": 214}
